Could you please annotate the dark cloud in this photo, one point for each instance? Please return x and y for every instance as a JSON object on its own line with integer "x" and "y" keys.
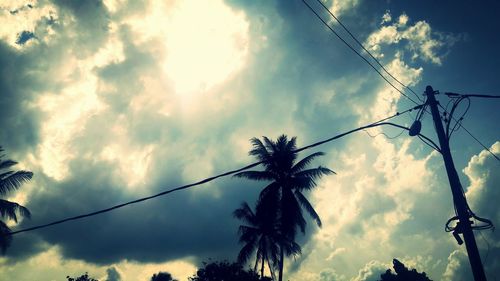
{"x": 113, "y": 274}
{"x": 299, "y": 80}
{"x": 91, "y": 24}
{"x": 18, "y": 122}
{"x": 195, "y": 223}
{"x": 189, "y": 223}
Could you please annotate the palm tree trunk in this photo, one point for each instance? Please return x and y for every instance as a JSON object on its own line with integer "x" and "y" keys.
{"x": 280, "y": 273}
{"x": 273, "y": 277}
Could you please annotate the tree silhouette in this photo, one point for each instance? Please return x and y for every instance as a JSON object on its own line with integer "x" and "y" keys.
{"x": 288, "y": 180}
{"x": 218, "y": 271}
{"x": 84, "y": 277}
{"x": 262, "y": 236}
{"x": 10, "y": 181}
{"x": 403, "y": 274}
{"x": 162, "y": 276}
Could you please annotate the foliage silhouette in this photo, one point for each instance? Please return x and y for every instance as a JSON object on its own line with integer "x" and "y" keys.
{"x": 10, "y": 181}
{"x": 262, "y": 236}
{"x": 162, "y": 276}
{"x": 225, "y": 271}
{"x": 84, "y": 277}
{"x": 284, "y": 197}
{"x": 403, "y": 273}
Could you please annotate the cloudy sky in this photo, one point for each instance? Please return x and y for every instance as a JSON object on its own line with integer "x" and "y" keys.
{"x": 108, "y": 101}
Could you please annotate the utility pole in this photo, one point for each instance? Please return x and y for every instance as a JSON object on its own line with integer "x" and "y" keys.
{"x": 464, "y": 224}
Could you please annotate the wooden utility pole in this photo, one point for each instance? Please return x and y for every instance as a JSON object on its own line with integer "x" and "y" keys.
{"x": 464, "y": 224}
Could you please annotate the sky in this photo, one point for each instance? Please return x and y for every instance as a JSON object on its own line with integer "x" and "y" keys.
{"x": 109, "y": 101}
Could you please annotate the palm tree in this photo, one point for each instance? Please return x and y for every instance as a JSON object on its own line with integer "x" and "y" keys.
{"x": 288, "y": 179}
{"x": 262, "y": 236}
{"x": 10, "y": 181}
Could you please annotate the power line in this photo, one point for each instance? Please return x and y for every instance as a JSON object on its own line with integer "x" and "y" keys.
{"x": 366, "y": 50}
{"x": 426, "y": 141}
{"x": 471, "y": 95}
{"x": 381, "y": 75}
{"x": 206, "y": 180}
{"x": 478, "y": 141}
{"x": 357, "y": 53}
{"x": 471, "y": 135}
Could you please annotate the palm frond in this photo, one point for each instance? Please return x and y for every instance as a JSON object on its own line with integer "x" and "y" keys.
{"x": 259, "y": 150}
{"x": 14, "y": 181}
{"x": 282, "y": 142}
{"x": 10, "y": 210}
{"x": 315, "y": 173}
{"x": 248, "y": 233}
{"x": 307, "y": 206}
{"x": 7, "y": 163}
{"x": 303, "y": 183}
{"x": 270, "y": 191}
{"x": 291, "y": 145}
{"x": 291, "y": 214}
{"x": 246, "y": 252}
{"x": 291, "y": 248}
{"x": 302, "y": 164}
{"x": 255, "y": 175}
{"x": 245, "y": 213}
{"x": 5, "y": 238}
{"x": 275, "y": 253}
{"x": 5, "y": 174}
{"x": 267, "y": 203}
{"x": 270, "y": 145}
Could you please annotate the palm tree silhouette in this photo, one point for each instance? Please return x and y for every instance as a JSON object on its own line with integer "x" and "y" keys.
{"x": 285, "y": 192}
{"x": 262, "y": 236}
{"x": 10, "y": 181}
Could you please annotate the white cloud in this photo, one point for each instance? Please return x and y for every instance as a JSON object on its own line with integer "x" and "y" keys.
{"x": 382, "y": 190}
{"x": 371, "y": 271}
{"x": 484, "y": 178}
{"x": 51, "y": 266}
{"x": 421, "y": 42}
{"x": 386, "y": 17}
{"x": 338, "y": 7}
{"x": 204, "y": 43}
{"x": 31, "y": 17}
{"x": 456, "y": 269}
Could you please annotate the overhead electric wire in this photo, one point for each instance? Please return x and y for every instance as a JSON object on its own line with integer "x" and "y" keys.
{"x": 487, "y": 223}
{"x": 357, "y": 53}
{"x": 471, "y": 95}
{"x": 472, "y": 136}
{"x": 366, "y": 50}
{"x": 426, "y": 141}
{"x": 206, "y": 180}
{"x": 381, "y": 75}
{"x": 458, "y": 123}
{"x": 478, "y": 141}
{"x": 384, "y": 134}
{"x": 462, "y": 96}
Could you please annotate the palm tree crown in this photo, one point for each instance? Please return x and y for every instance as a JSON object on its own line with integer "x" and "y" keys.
{"x": 261, "y": 235}
{"x": 288, "y": 180}
{"x": 10, "y": 181}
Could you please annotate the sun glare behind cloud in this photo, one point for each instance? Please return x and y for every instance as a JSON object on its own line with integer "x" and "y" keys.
{"x": 206, "y": 43}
